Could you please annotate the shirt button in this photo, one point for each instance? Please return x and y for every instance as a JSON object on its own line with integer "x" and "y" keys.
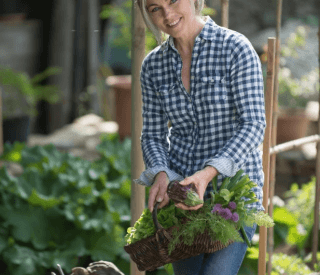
{"x": 192, "y": 77}
{"x": 190, "y": 99}
{"x": 157, "y": 93}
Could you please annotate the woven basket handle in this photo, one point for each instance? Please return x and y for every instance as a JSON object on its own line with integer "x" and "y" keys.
{"x": 154, "y": 217}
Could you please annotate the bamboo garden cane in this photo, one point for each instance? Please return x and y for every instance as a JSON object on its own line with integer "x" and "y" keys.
{"x": 137, "y": 166}
{"x": 225, "y": 13}
{"x": 266, "y": 151}
{"x": 316, "y": 206}
{"x": 1, "y": 125}
{"x": 274, "y": 133}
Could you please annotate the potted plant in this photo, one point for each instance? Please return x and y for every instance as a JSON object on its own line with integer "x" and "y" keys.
{"x": 20, "y": 96}
{"x": 294, "y": 94}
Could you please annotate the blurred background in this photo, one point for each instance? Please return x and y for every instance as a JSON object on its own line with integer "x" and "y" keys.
{"x": 67, "y": 66}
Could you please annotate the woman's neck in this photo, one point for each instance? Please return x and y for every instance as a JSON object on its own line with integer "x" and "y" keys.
{"x": 185, "y": 44}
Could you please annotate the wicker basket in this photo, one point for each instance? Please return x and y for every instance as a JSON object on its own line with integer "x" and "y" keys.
{"x": 152, "y": 252}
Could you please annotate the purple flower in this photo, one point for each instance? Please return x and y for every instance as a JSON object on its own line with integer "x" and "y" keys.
{"x": 217, "y": 208}
{"x": 232, "y": 205}
{"x": 235, "y": 217}
{"x": 225, "y": 213}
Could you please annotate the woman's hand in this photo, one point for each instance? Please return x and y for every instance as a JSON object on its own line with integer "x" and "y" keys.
{"x": 200, "y": 180}
{"x": 158, "y": 191}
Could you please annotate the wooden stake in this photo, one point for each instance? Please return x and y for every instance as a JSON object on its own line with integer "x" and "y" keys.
{"x": 266, "y": 150}
{"x": 316, "y": 207}
{"x": 274, "y": 133}
{"x": 137, "y": 165}
{"x": 225, "y": 13}
{"x": 1, "y": 125}
{"x": 293, "y": 144}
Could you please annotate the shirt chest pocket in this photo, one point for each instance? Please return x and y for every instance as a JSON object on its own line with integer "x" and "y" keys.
{"x": 213, "y": 88}
{"x": 172, "y": 100}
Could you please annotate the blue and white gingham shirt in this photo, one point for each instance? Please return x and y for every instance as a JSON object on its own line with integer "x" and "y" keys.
{"x": 219, "y": 123}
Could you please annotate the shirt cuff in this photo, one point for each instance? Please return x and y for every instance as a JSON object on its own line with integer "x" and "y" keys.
{"x": 147, "y": 177}
{"x": 224, "y": 166}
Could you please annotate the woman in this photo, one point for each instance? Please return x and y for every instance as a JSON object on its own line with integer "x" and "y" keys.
{"x": 207, "y": 81}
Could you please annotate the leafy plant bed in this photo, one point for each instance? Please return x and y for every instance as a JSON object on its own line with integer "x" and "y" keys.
{"x": 62, "y": 209}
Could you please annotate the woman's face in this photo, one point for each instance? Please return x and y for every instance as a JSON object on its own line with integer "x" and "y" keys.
{"x": 174, "y": 17}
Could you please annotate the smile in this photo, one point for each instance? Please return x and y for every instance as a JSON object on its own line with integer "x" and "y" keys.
{"x": 175, "y": 23}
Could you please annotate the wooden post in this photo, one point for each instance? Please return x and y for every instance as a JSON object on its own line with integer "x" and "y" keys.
{"x": 316, "y": 206}
{"x": 61, "y": 54}
{"x": 137, "y": 165}
{"x": 274, "y": 132}
{"x": 225, "y": 13}
{"x": 93, "y": 56}
{"x": 266, "y": 151}
{"x": 1, "y": 125}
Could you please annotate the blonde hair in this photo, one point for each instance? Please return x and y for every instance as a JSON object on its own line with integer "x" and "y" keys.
{"x": 198, "y": 5}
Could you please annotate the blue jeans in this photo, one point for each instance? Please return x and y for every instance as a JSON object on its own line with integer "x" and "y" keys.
{"x": 222, "y": 262}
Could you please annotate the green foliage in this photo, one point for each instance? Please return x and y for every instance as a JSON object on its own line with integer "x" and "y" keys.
{"x": 31, "y": 89}
{"x": 295, "y": 40}
{"x": 294, "y": 221}
{"x": 294, "y": 226}
{"x": 301, "y": 207}
{"x": 282, "y": 264}
{"x": 290, "y": 265}
{"x": 62, "y": 207}
{"x": 296, "y": 92}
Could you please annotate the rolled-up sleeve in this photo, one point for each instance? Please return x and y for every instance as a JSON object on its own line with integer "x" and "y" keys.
{"x": 154, "y": 143}
{"x": 247, "y": 87}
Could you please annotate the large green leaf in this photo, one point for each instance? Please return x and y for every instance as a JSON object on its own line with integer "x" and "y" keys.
{"x": 118, "y": 204}
{"x": 283, "y": 215}
{"x": 12, "y": 152}
{"x": 24, "y": 258}
{"x": 35, "y": 225}
{"x": 105, "y": 246}
{"x": 3, "y": 242}
{"x": 45, "y": 202}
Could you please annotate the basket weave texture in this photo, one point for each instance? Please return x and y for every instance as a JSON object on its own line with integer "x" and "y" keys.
{"x": 152, "y": 252}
